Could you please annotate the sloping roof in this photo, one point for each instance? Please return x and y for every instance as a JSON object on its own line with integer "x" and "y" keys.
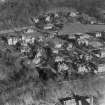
{"x": 71, "y": 28}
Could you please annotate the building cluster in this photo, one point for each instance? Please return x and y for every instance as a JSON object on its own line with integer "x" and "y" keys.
{"x": 78, "y": 100}
{"x": 55, "y": 18}
{"x": 77, "y": 53}
{"x": 21, "y": 42}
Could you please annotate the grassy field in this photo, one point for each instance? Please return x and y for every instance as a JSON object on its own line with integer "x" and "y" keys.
{"x": 31, "y": 93}
{"x": 71, "y": 28}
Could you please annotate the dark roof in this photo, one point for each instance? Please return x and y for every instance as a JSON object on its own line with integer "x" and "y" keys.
{"x": 71, "y": 28}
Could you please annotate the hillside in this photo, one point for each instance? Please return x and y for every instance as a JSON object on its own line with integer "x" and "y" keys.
{"x": 19, "y": 12}
{"x": 56, "y": 59}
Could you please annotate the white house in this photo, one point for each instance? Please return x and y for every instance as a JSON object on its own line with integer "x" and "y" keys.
{"x": 25, "y": 49}
{"x": 36, "y": 60}
{"x": 36, "y": 20}
{"x": 59, "y": 59}
{"x": 23, "y": 37}
{"x": 48, "y": 26}
{"x": 15, "y": 40}
{"x": 40, "y": 52}
{"x": 30, "y": 31}
{"x": 101, "y": 68}
{"x": 72, "y": 37}
{"x": 83, "y": 41}
{"x": 27, "y": 39}
{"x": 55, "y": 51}
{"x": 82, "y": 69}
{"x": 40, "y": 38}
{"x": 98, "y": 34}
{"x": 62, "y": 67}
{"x": 69, "y": 47}
{"x": 70, "y": 102}
{"x": 84, "y": 36}
{"x": 12, "y": 40}
{"x": 88, "y": 57}
{"x": 73, "y": 14}
{"x": 58, "y": 45}
{"x": 32, "y": 39}
{"x": 48, "y": 18}
{"x": 56, "y": 15}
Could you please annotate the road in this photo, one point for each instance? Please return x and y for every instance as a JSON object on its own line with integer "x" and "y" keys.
{"x": 15, "y": 29}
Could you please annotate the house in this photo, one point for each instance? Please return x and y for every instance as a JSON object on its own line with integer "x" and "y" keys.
{"x": 94, "y": 43}
{"x": 101, "y": 13}
{"x": 85, "y": 18}
{"x": 55, "y": 51}
{"x": 73, "y": 12}
{"x": 56, "y": 15}
{"x": 69, "y": 47}
{"x": 59, "y": 59}
{"x": 58, "y": 45}
{"x": 29, "y": 31}
{"x": 48, "y": 27}
{"x": 101, "y": 68}
{"x": 93, "y": 20}
{"x": 88, "y": 57}
{"x": 27, "y": 39}
{"x": 99, "y": 53}
{"x": 25, "y": 49}
{"x": 62, "y": 67}
{"x": 40, "y": 38}
{"x": 83, "y": 42}
{"x": 32, "y": 39}
{"x": 15, "y": 40}
{"x": 36, "y": 20}
{"x": 36, "y": 60}
{"x": 98, "y": 34}
{"x": 70, "y": 102}
{"x": 82, "y": 69}
{"x": 12, "y": 40}
{"x": 79, "y": 100}
{"x": 72, "y": 36}
{"x": 84, "y": 36}
{"x": 39, "y": 54}
{"x": 48, "y": 18}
